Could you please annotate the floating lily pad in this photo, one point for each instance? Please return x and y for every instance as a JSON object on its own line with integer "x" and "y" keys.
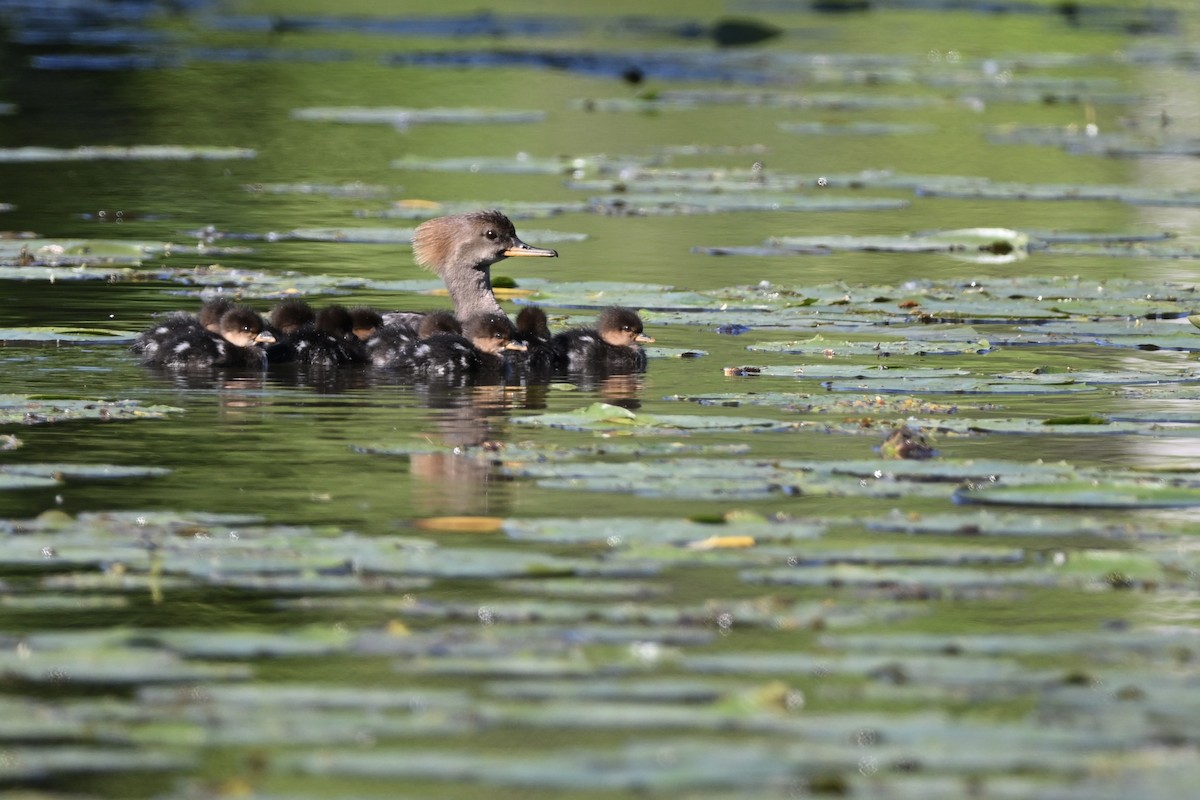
{"x": 988, "y": 523}
{"x": 402, "y": 117}
{"x": 14, "y": 335}
{"x": 84, "y": 471}
{"x": 136, "y": 153}
{"x": 647, "y": 205}
{"x": 628, "y": 531}
{"x": 606, "y": 417}
{"x": 19, "y": 409}
{"x": 1097, "y": 494}
{"x": 970, "y": 343}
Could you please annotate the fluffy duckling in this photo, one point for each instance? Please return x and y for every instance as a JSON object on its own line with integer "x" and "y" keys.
{"x": 364, "y": 321}
{"x": 290, "y": 315}
{"x": 478, "y": 349}
{"x": 181, "y": 342}
{"x": 614, "y": 345}
{"x": 209, "y": 315}
{"x": 325, "y": 343}
{"x": 533, "y": 328}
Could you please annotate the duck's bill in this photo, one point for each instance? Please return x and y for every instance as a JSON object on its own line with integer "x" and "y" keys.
{"x": 266, "y": 337}
{"x": 644, "y": 339}
{"x": 520, "y": 346}
{"x": 521, "y": 249}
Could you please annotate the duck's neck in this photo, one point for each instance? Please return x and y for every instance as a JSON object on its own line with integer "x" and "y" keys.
{"x": 471, "y": 292}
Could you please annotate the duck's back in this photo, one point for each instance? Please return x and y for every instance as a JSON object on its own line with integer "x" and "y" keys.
{"x": 310, "y": 347}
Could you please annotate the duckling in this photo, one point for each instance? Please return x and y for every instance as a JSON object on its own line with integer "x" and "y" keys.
{"x": 478, "y": 349}
{"x": 325, "y": 343}
{"x": 461, "y": 249}
{"x": 533, "y": 328}
{"x": 438, "y": 322}
{"x": 209, "y": 315}
{"x": 290, "y": 315}
{"x": 364, "y": 321}
{"x": 181, "y": 342}
{"x": 391, "y": 346}
{"x": 614, "y": 345}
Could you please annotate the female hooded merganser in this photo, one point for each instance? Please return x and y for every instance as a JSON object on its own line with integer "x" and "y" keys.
{"x": 461, "y": 249}
{"x": 612, "y": 346}
{"x": 181, "y": 342}
{"x": 479, "y": 348}
{"x": 326, "y": 342}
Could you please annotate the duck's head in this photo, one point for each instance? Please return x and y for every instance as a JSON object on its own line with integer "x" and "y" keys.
{"x": 492, "y": 334}
{"x": 209, "y": 315}
{"x": 243, "y": 327}
{"x": 289, "y": 315}
{"x": 621, "y": 327}
{"x": 364, "y": 321}
{"x": 438, "y": 322}
{"x": 474, "y": 240}
{"x": 335, "y": 320}
{"x": 532, "y": 324}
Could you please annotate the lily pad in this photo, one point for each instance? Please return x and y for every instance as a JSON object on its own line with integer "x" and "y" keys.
{"x": 1092, "y": 494}
{"x": 84, "y": 471}
{"x": 25, "y": 410}
{"x": 135, "y": 153}
{"x": 403, "y": 117}
{"x": 606, "y": 417}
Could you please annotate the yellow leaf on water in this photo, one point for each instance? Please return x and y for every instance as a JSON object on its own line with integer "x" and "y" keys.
{"x": 721, "y": 543}
{"x": 461, "y": 524}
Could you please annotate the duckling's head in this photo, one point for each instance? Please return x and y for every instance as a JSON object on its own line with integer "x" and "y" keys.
{"x": 335, "y": 320}
{"x": 492, "y": 334}
{"x": 474, "y": 240}
{"x": 364, "y": 321}
{"x": 243, "y": 327}
{"x": 621, "y": 327}
{"x": 532, "y": 324}
{"x": 289, "y": 315}
{"x": 209, "y": 315}
{"x": 438, "y": 322}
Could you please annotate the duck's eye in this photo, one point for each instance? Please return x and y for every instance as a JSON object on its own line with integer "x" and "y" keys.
{"x": 489, "y": 234}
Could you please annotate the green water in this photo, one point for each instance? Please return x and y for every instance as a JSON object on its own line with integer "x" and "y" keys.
{"x": 331, "y": 644}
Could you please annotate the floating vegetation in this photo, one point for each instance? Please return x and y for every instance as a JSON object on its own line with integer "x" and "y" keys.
{"x": 83, "y": 471}
{"x": 135, "y": 153}
{"x": 404, "y": 117}
{"x": 356, "y": 189}
{"x": 26, "y": 410}
{"x": 1109, "y": 494}
{"x": 521, "y": 163}
{"x": 31, "y": 335}
{"x": 857, "y": 129}
{"x": 607, "y": 417}
{"x": 635, "y": 205}
{"x": 1132, "y": 195}
{"x": 688, "y": 99}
